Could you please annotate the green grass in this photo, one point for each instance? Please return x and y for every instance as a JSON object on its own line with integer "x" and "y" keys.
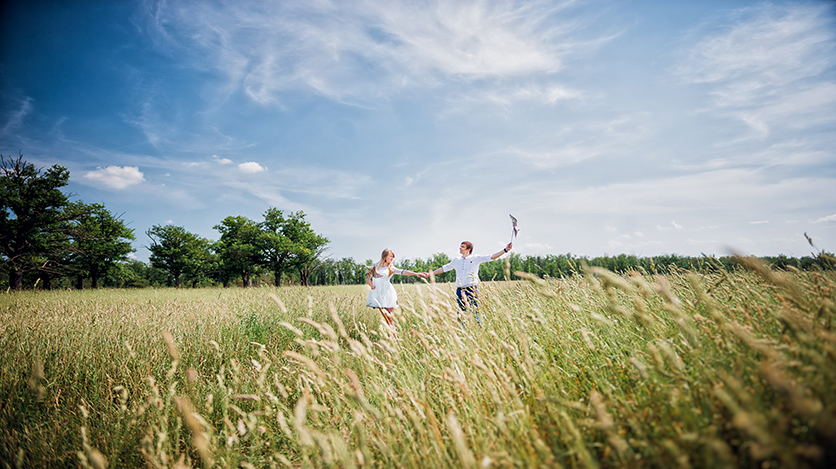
{"x": 680, "y": 370}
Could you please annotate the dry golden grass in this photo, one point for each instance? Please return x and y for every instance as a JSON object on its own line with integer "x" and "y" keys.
{"x": 681, "y": 370}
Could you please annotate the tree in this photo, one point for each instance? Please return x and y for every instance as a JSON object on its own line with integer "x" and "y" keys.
{"x": 31, "y": 212}
{"x": 240, "y": 246}
{"x": 176, "y": 251}
{"x": 289, "y": 243}
{"x": 129, "y": 274}
{"x": 277, "y": 249}
{"x": 440, "y": 259}
{"x": 100, "y": 240}
{"x": 307, "y": 245}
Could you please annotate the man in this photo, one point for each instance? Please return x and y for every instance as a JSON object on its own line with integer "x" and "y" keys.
{"x": 467, "y": 275}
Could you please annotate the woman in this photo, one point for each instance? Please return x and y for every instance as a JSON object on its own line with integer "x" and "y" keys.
{"x": 383, "y": 295}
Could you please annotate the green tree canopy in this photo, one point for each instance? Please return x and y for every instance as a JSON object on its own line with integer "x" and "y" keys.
{"x": 176, "y": 251}
{"x": 308, "y": 245}
{"x": 31, "y": 212}
{"x": 99, "y": 240}
{"x": 240, "y": 246}
{"x": 290, "y": 244}
{"x": 277, "y": 248}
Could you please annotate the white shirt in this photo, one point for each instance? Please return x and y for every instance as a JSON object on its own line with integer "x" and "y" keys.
{"x": 467, "y": 269}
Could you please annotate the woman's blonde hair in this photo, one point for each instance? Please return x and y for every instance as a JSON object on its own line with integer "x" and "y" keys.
{"x": 383, "y": 257}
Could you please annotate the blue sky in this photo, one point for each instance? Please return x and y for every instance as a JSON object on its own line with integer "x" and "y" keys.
{"x": 605, "y": 127}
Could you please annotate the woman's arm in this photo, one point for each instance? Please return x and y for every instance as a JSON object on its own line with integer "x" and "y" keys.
{"x": 368, "y": 279}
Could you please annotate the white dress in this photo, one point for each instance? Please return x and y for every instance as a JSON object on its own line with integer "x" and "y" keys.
{"x": 384, "y": 294}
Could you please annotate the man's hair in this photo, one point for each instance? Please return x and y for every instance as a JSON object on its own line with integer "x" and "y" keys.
{"x": 469, "y": 246}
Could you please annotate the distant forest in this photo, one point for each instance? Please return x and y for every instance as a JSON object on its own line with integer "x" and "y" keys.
{"x": 346, "y": 271}
{"x": 49, "y": 242}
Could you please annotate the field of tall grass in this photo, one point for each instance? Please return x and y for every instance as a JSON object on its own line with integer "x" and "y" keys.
{"x": 601, "y": 370}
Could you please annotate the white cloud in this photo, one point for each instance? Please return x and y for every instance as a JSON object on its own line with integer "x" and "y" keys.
{"x": 251, "y": 167}
{"x": 758, "y": 222}
{"x": 220, "y": 160}
{"x": 826, "y": 219}
{"x": 673, "y": 226}
{"x": 117, "y": 177}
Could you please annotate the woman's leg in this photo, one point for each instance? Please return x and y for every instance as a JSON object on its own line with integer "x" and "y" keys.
{"x": 387, "y": 315}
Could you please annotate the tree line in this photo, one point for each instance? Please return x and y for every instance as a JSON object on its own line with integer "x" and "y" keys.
{"x": 282, "y": 244}
{"x": 47, "y": 241}
{"x": 346, "y": 271}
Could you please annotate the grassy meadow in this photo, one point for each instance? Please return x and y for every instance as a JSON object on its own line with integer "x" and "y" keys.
{"x": 600, "y": 370}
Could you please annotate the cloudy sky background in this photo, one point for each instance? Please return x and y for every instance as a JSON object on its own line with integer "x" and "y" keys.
{"x": 638, "y": 127}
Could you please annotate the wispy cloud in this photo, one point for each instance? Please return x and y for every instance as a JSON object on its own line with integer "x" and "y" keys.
{"x": 116, "y": 177}
{"x": 576, "y": 142}
{"x": 358, "y": 50}
{"x": 717, "y": 192}
{"x": 828, "y": 218}
{"x": 766, "y": 67}
{"x": 150, "y": 124}
{"x": 15, "y": 118}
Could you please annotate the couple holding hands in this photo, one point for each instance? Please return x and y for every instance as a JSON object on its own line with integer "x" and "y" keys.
{"x": 384, "y": 297}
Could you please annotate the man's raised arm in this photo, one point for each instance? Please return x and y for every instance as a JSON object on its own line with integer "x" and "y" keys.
{"x": 497, "y": 254}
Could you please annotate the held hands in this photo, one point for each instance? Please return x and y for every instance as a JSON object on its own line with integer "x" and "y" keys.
{"x": 508, "y": 247}
{"x": 423, "y": 274}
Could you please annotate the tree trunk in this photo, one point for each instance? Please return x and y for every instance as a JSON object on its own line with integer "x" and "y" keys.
{"x": 94, "y": 276}
{"x": 47, "y": 282}
{"x": 177, "y": 281}
{"x": 79, "y": 282}
{"x": 16, "y": 279}
{"x": 278, "y": 275}
{"x": 303, "y": 277}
